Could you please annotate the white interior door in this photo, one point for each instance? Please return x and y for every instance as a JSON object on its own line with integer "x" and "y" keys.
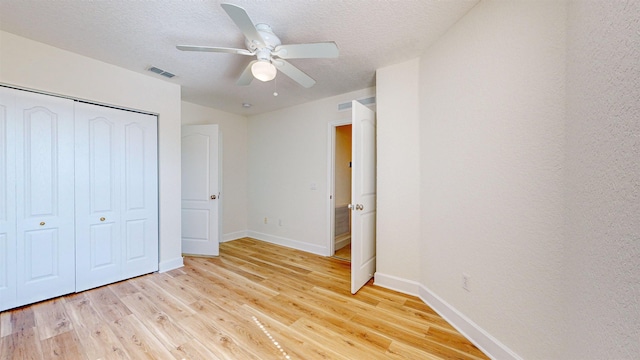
{"x": 200, "y": 190}
{"x": 363, "y": 196}
{"x": 44, "y": 197}
{"x": 116, "y": 195}
{"x": 98, "y": 152}
{"x": 139, "y": 195}
{"x": 7, "y": 201}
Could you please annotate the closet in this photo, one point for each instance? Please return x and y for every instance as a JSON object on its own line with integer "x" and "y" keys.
{"x": 78, "y": 196}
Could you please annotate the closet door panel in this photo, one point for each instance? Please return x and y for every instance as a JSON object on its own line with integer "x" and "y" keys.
{"x": 7, "y": 201}
{"x": 140, "y": 207}
{"x": 98, "y": 245}
{"x": 44, "y": 197}
{"x": 116, "y": 192}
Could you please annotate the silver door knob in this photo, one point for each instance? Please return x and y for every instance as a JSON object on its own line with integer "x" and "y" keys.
{"x": 350, "y": 207}
{"x": 213, "y": 197}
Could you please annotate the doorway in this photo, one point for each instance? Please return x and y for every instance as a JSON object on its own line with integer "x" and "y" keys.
{"x": 363, "y": 193}
{"x": 341, "y": 194}
{"x": 342, "y": 187}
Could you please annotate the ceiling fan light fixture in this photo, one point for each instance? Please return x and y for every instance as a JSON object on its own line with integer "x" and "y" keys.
{"x": 263, "y": 70}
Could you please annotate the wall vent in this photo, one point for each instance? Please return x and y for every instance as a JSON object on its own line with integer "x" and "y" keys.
{"x": 366, "y": 102}
{"x": 161, "y": 72}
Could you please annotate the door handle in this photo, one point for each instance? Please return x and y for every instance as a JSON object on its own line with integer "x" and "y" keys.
{"x": 213, "y": 197}
{"x": 355, "y": 207}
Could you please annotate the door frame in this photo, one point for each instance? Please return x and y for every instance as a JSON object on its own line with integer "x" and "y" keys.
{"x": 331, "y": 182}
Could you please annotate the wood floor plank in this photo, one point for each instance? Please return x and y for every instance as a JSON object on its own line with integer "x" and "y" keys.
{"x": 102, "y": 343}
{"x": 171, "y": 285}
{"x": 241, "y": 328}
{"x": 391, "y": 325}
{"x": 338, "y": 323}
{"x": 5, "y": 323}
{"x": 218, "y": 341}
{"x": 51, "y": 318}
{"x": 94, "y": 333}
{"x": 138, "y": 341}
{"x": 63, "y": 346}
{"x": 409, "y": 313}
{"x": 193, "y": 350}
{"x": 342, "y": 344}
{"x": 22, "y": 318}
{"x": 400, "y": 335}
{"x": 159, "y": 323}
{"x": 123, "y": 288}
{"x": 225, "y": 276}
{"x": 108, "y": 304}
{"x": 255, "y": 301}
{"x": 164, "y": 300}
{"x": 22, "y": 344}
{"x": 453, "y": 340}
{"x": 417, "y": 304}
{"x": 401, "y": 351}
{"x": 231, "y": 265}
{"x": 296, "y": 344}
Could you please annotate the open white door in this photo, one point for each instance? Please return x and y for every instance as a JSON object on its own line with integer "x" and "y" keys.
{"x": 200, "y": 190}
{"x": 363, "y": 196}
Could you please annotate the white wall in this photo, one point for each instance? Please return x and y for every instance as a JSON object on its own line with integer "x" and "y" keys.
{"x": 234, "y": 164}
{"x": 398, "y": 177}
{"x": 603, "y": 180}
{"x": 37, "y": 66}
{"x": 491, "y": 159}
{"x": 529, "y": 148}
{"x": 288, "y": 155}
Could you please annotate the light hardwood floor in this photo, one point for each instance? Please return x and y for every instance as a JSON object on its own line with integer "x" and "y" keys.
{"x": 254, "y": 301}
{"x": 343, "y": 253}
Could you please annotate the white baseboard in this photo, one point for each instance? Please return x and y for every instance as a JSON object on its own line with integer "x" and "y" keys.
{"x": 395, "y": 283}
{"x": 342, "y": 242}
{"x": 295, "y": 244}
{"x": 478, "y": 336}
{"x": 169, "y": 265}
{"x": 234, "y": 236}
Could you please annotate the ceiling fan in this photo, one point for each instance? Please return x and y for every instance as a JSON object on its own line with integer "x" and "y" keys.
{"x": 270, "y": 54}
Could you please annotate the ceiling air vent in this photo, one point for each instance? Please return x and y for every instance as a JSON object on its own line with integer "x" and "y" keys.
{"x": 159, "y": 71}
{"x": 366, "y": 102}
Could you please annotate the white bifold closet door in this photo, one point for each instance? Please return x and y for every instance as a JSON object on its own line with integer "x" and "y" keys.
{"x": 116, "y": 195}
{"x": 38, "y": 198}
{"x": 8, "y": 293}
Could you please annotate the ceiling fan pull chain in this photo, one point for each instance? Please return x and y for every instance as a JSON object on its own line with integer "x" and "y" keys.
{"x": 275, "y": 86}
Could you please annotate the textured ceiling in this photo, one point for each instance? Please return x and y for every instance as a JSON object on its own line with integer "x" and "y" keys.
{"x": 136, "y": 34}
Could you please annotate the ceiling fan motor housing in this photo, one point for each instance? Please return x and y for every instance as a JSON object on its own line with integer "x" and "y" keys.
{"x": 270, "y": 39}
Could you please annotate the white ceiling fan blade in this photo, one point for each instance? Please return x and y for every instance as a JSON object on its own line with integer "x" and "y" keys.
{"x": 246, "y": 77}
{"x": 294, "y": 73}
{"x": 306, "y": 51}
{"x": 242, "y": 21}
{"x": 214, "y": 49}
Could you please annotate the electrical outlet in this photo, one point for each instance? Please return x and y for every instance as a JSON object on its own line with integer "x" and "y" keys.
{"x": 266, "y": 221}
{"x": 466, "y": 279}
